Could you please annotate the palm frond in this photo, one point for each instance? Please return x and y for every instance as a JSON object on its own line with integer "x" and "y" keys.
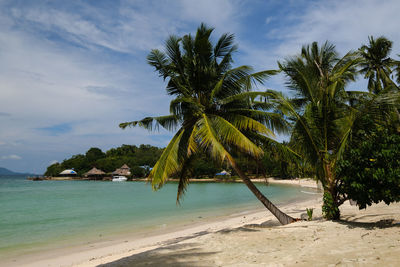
{"x": 168, "y": 164}
{"x": 273, "y": 121}
{"x": 246, "y": 96}
{"x": 169, "y": 122}
{"x": 228, "y": 134}
{"x": 231, "y": 81}
{"x": 208, "y": 139}
{"x": 248, "y": 124}
{"x": 183, "y": 180}
{"x": 159, "y": 61}
{"x": 183, "y": 104}
{"x": 224, "y": 45}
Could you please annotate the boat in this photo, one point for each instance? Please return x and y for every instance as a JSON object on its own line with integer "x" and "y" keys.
{"x": 119, "y": 178}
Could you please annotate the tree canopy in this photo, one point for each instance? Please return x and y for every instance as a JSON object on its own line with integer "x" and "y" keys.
{"x": 112, "y": 159}
{"x": 214, "y": 110}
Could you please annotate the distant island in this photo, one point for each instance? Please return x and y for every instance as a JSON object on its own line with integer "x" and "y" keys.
{"x": 138, "y": 158}
{"x": 7, "y": 172}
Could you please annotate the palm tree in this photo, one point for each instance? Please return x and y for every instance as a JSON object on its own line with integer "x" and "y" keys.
{"x": 377, "y": 66}
{"x": 324, "y": 114}
{"x": 214, "y": 109}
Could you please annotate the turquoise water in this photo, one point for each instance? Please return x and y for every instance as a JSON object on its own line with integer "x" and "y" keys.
{"x": 34, "y": 214}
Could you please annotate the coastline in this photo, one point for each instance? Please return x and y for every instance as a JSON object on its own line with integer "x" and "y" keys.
{"x": 302, "y": 182}
{"x": 254, "y": 237}
{"x": 91, "y": 254}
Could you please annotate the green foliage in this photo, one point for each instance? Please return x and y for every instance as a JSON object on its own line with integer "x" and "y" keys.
{"x": 370, "y": 169}
{"x": 77, "y": 162}
{"x": 377, "y": 66}
{"x": 325, "y": 114}
{"x": 310, "y": 213}
{"x": 330, "y": 209}
{"x": 133, "y": 156}
{"x": 138, "y": 172}
{"x": 94, "y": 154}
{"x": 202, "y": 166}
{"x": 54, "y": 169}
{"x": 214, "y": 109}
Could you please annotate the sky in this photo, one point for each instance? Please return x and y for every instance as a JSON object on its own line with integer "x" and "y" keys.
{"x": 71, "y": 71}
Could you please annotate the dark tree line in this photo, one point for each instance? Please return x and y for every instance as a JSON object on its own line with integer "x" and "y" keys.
{"x": 135, "y": 157}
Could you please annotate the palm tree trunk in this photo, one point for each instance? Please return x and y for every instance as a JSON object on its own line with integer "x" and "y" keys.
{"x": 330, "y": 206}
{"x": 282, "y": 217}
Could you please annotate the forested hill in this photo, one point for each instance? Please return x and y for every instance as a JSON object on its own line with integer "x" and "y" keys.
{"x": 110, "y": 160}
{"x": 271, "y": 164}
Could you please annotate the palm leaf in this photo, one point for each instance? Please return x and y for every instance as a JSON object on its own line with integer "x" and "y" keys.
{"x": 169, "y": 122}
{"x": 208, "y": 139}
{"x": 168, "y": 164}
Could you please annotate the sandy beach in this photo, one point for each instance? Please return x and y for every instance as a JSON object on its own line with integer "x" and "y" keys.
{"x": 254, "y": 238}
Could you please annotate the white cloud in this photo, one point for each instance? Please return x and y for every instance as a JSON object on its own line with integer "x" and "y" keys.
{"x": 86, "y": 66}
{"x": 13, "y": 157}
{"x": 347, "y": 24}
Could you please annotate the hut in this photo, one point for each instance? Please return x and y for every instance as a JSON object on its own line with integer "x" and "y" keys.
{"x": 223, "y": 173}
{"x": 95, "y": 173}
{"x": 68, "y": 173}
{"x": 124, "y": 171}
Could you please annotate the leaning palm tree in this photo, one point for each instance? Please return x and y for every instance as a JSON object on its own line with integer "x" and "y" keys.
{"x": 324, "y": 114}
{"x": 214, "y": 109}
{"x": 376, "y": 65}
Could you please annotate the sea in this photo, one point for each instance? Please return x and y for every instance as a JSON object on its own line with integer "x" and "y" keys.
{"x": 40, "y": 215}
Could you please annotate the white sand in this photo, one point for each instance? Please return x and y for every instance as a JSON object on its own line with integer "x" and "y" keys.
{"x": 254, "y": 239}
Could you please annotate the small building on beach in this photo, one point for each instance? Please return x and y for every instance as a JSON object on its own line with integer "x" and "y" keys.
{"x": 95, "y": 173}
{"x": 223, "y": 173}
{"x": 124, "y": 171}
{"x": 68, "y": 173}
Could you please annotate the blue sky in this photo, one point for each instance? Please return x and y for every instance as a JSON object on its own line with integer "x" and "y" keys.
{"x": 71, "y": 71}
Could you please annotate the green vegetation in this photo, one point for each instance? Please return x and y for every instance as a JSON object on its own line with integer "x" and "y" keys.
{"x": 370, "y": 168}
{"x": 271, "y": 164}
{"x": 114, "y": 158}
{"x": 310, "y": 213}
{"x": 348, "y": 140}
{"x": 325, "y": 115}
{"x": 214, "y": 109}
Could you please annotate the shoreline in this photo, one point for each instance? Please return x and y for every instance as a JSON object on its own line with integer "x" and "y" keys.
{"x": 303, "y": 182}
{"x": 366, "y": 237}
{"x": 92, "y": 254}
{"x": 253, "y": 237}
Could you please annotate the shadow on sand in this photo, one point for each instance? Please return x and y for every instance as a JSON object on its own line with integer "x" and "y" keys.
{"x": 385, "y": 223}
{"x": 186, "y": 254}
{"x": 174, "y": 253}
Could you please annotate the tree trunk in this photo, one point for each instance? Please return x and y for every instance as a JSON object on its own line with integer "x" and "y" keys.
{"x": 330, "y": 206}
{"x": 282, "y": 217}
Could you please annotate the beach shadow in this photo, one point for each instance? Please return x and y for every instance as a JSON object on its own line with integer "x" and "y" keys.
{"x": 370, "y": 216}
{"x": 180, "y": 239}
{"x": 386, "y": 223}
{"x": 266, "y": 224}
{"x": 187, "y": 254}
{"x": 251, "y": 227}
{"x": 234, "y": 230}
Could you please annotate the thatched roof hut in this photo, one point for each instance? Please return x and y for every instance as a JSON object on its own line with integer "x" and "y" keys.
{"x": 95, "y": 172}
{"x": 124, "y": 170}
